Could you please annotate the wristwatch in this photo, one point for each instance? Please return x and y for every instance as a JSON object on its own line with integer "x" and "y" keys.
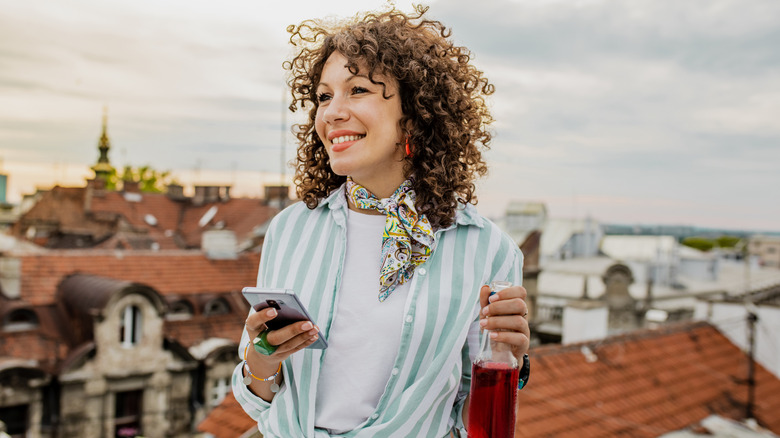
{"x": 525, "y": 373}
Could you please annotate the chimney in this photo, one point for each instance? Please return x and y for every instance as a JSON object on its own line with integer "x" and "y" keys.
{"x": 584, "y": 320}
{"x": 131, "y": 186}
{"x": 96, "y": 184}
{"x": 10, "y": 276}
{"x": 277, "y": 196}
{"x": 175, "y": 192}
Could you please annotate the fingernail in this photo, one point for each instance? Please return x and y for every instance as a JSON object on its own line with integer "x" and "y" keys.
{"x": 483, "y": 322}
{"x": 307, "y": 326}
{"x": 313, "y": 332}
{"x": 271, "y": 312}
{"x": 313, "y": 338}
{"x": 485, "y": 310}
{"x": 493, "y": 297}
{"x": 493, "y": 335}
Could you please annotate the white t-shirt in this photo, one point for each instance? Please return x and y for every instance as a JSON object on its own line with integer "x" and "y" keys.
{"x": 364, "y": 339}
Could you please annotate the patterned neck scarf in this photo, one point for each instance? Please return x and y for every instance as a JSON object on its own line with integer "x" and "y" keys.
{"x": 408, "y": 238}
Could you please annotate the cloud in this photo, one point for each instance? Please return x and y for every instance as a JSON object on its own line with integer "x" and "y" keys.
{"x": 601, "y": 101}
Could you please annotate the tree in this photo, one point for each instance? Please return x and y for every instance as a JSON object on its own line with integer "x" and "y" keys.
{"x": 149, "y": 180}
{"x": 700, "y": 243}
{"x": 727, "y": 241}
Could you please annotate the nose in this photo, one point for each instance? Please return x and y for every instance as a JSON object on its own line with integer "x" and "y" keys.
{"x": 336, "y": 110}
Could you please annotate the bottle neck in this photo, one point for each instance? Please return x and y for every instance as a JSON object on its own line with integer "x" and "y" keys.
{"x": 496, "y": 352}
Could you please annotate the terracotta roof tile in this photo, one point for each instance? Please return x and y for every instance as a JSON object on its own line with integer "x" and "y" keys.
{"x": 227, "y": 420}
{"x": 240, "y": 215}
{"x": 168, "y": 272}
{"x": 643, "y": 384}
{"x": 108, "y": 219}
{"x": 165, "y": 210}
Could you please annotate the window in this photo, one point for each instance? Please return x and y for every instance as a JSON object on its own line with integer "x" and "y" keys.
{"x": 127, "y": 413}
{"x": 217, "y": 306}
{"x": 15, "y": 419}
{"x": 181, "y": 309}
{"x": 20, "y": 319}
{"x": 219, "y": 390}
{"x": 130, "y": 327}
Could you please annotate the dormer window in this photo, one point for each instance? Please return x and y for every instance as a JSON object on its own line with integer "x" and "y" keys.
{"x": 20, "y": 319}
{"x": 181, "y": 309}
{"x": 130, "y": 327}
{"x": 217, "y": 306}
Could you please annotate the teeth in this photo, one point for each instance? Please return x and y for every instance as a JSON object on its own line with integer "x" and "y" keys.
{"x": 338, "y": 140}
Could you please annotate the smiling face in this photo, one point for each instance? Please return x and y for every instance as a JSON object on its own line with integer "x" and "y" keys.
{"x": 359, "y": 127}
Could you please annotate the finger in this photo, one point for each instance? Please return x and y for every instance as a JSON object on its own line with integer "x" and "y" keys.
{"x": 513, "y": 306}
{"x": 255, "y": 323}
{"x": 288, "y": 332}
{"x": 515, "y": 323}
{"x": 509, "y": 293}
{"x": 484, "y": 293}
{"x": 296, "y": 344}
{"x": 518, "y": 340}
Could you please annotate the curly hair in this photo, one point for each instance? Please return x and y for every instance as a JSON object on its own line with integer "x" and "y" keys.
{"x": 445, "y": 116}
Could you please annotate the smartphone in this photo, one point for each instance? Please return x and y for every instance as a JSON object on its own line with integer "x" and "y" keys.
{"x": 288, "y": 307}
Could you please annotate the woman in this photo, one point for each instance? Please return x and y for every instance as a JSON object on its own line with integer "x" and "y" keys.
{"x": 386, "y": 250}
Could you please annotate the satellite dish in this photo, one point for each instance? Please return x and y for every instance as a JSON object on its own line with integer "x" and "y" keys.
{"x": 208, "y": 216}
{"x": 150, "y": 220}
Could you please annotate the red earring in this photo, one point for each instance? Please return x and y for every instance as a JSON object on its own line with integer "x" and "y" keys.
{"x": 408, "y": 149}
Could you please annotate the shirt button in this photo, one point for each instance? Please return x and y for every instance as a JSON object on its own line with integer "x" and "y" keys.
{"x": 374, "y": 416}
{"x": 395, "y": 371}
{"x": 409, "y": 318}
{"x": 422, "y": 271}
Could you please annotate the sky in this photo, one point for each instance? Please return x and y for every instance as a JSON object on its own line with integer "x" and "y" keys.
{"x": 641, "y": 111}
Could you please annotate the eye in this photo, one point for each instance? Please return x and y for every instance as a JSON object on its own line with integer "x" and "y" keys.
{"x": 359, "y": 90}
{"x": 323, "y": 97}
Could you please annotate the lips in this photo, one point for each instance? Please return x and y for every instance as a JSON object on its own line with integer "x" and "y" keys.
{"x": 342, "y": 139}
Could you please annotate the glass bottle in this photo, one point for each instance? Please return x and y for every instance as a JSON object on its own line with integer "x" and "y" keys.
{"x": 494, "y": 376}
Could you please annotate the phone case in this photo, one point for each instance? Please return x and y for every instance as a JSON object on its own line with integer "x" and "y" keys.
{"x": 289, "y": 309}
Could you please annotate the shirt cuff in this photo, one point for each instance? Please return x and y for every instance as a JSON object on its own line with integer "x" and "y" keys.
{"x": 252, "y": 404}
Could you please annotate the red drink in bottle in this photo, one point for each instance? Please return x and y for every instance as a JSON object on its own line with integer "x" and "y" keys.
{"x": 493, "y": 397}
{"x": 494, "y": 376}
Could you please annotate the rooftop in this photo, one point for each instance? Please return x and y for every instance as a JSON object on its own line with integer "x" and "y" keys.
{"x": 642, "y": 384}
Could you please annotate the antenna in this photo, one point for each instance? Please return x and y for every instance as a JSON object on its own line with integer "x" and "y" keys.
{"x": 282, "y": 171}
{"x": 752, "y": 317}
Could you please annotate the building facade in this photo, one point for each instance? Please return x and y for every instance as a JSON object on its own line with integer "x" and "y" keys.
{"x": 118, "y": 344}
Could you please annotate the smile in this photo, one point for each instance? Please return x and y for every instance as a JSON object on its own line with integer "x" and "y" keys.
{"x": 346, "y": 138}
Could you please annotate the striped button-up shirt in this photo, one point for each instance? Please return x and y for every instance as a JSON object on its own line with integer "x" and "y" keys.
{"x": 304, "y": 251}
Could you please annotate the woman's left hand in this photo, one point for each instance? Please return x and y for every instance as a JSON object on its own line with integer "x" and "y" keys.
{"x": 504, "y": 314}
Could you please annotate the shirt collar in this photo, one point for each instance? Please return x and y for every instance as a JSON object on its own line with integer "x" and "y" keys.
{"x": 465, "y": 214}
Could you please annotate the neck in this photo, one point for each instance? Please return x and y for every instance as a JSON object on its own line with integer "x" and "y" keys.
{"x": 382, "y": 188}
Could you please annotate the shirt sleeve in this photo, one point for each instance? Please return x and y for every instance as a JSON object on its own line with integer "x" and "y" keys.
{"x": 253, "y": 405}
{"x": 468, "y": 353}
{"x": 471, "y": 347}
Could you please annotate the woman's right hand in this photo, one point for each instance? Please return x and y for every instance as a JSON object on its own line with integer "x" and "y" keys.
{"x": 289, "y": 339}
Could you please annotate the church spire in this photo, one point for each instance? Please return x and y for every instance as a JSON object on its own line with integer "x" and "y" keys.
{"x": 103, "y": 168}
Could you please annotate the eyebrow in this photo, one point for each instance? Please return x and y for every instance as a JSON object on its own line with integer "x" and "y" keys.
{"x": 349, "y": 78}
{"x": 353, "y": 76}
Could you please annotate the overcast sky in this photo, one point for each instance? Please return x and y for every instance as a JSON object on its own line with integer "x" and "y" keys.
{"x": 641, "y": 111}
